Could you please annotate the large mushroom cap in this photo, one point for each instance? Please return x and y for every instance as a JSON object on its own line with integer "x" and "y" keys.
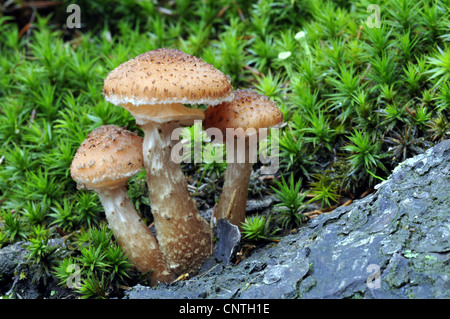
{"x": 166, "y": 76}
{"x": 248, "y": 110}
{"x": 107, "y": 158}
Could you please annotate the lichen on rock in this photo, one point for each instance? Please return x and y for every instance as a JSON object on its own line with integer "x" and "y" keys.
{"x": 402, "y": 230}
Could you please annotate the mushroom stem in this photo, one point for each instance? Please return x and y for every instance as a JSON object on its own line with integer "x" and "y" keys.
{"x": 236, "y": 179}
{"x": 133, "y": 235}
{"x": 183, "y": 234}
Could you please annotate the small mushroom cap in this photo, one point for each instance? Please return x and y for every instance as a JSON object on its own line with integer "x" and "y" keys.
{"x": 248, "y": 110}
{"x": 107, "y": 158}
{"x": 166, "y": 76}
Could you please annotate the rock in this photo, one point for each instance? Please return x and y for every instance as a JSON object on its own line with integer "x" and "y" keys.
{"x": 228, "y": 239}
{"x": 10, "y": 257}
{"x": 394, "y": 243}
{"x": 259, "y": 204}
{"x": 13, "y": 262}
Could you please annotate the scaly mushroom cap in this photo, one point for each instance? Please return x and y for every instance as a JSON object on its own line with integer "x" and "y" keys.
{"x": 248, "y": 110}
{"x": 166, "y": 76}
{"x": 107, "y": 158}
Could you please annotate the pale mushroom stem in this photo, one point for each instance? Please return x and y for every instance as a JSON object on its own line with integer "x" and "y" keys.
{"x": 183, "y": 234}
{"x": 233, "y": 199}
{"x": 133, "y": 235}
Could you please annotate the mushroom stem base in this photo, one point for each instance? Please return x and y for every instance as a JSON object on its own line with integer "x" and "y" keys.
{"x": 133, "y": 235}
{"x": 236, "y": 180}
{"x": 183, "y": 234}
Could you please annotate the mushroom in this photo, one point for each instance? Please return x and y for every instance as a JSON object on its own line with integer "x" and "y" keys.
{"x": 104, "y": 162}
{"x": 154, "y": 86}
{"x": 243, "y": 117}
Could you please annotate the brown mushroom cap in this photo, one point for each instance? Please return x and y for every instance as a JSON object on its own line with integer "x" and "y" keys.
{"x": 248, "y": 110}
{"x": 166, "y": 76}
{"x": 107, "y": 158}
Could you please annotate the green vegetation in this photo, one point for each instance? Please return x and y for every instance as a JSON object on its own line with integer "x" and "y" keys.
{"x": 357, "y": 101}
{"x": 256, "y": 228}
{"x": 291, "y": 202}
{"x": 93, "y": 255}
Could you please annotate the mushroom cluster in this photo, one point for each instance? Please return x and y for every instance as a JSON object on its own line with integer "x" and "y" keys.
{"x": 104, "y": 162}
{"x": 155, "y": 88}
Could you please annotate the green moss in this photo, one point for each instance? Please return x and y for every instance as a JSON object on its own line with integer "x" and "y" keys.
{"x": 427, "y": 264}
